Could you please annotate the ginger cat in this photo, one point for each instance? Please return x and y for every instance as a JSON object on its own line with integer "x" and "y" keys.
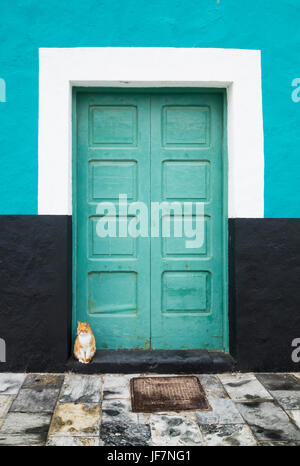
{"x": 85, "y": 345}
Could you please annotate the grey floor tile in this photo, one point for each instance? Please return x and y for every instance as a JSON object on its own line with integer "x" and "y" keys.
{"x": 269, "y": 422}
{"x": 119, "y": 434}
{"x": 175, "y": 430}
{"x": 81, "y": 389}
{"x": 120, "y": 426}
{"x": 73, "y": 442}
{"x": 75, "y": 419}
{"x": 23, "y": 440}
{"x": 288, "y": 399}
{"x": 244, "y": 387}
{"x": 279, "y": 381}
{"x": 295, "y": 416}
{"x": 223, "y": 411}
{"x": 5, "y": 403}
{"x": 38, "y": 381}
{"x": 212, "y": 386}
{"x": 228, "y": 435}
{"x": 278, "y": 444}
{"x": 35, "y": 401}
{"x": 25, "y": 429}
{"x": 152, "y": 374}
{"x": 116, "y": 386}
{"x": 120, "y": 411}
{"x": 10, "y": 383}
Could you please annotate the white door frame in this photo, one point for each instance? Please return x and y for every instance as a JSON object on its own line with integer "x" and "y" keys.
{"x": 239, "y": 71}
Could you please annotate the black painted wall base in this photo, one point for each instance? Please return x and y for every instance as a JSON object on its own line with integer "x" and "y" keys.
{"x": 264, "y": 307}
{"x": 36, "y": 307}
{"x": 35, "y": 291}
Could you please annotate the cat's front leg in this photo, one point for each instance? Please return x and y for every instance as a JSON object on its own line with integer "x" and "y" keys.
{"x": 82, "y": 356}
{"x": 87, "y": 356}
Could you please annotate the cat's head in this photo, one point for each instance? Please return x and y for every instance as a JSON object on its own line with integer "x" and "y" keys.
{"x": 83, "y": 327}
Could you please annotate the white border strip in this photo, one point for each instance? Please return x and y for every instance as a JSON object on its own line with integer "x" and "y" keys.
{"x": 237, "y": 70}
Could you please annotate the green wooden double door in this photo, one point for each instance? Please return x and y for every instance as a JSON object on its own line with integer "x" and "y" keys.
{"x": 149, "y": 289}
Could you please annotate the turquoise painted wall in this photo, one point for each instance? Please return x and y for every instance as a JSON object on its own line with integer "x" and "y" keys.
{"x": 26, "y": 25}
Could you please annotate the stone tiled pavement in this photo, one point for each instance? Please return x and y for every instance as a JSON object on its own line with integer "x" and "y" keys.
{"x": 49, "y": 409}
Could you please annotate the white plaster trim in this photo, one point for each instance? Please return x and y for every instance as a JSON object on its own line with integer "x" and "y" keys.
{"x": 237, "y": 70}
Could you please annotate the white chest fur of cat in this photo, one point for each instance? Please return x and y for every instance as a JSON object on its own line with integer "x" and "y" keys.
{"x": 85, "y": 346}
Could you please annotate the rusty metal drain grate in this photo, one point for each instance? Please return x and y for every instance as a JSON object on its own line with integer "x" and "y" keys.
{"x": 152, "y": 394}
